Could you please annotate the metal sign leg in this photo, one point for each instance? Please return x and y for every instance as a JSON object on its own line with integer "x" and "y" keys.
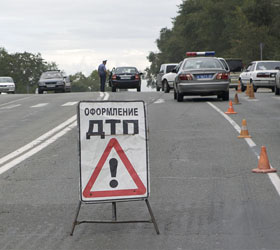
{"x": 152, "y": 216}
{"x": 114, "y": 211}
{"x": 76, "y": 217}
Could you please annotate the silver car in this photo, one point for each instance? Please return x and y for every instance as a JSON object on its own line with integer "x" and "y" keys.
{"x": 7, "y": 85}
{"x": 202, "y": 76}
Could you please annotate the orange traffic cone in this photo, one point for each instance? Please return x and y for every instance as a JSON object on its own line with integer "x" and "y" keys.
{"x": 251, "y": 92}
{"x": 263, "y": 165}
{"x": 239, "y": 87}
{"x": 236, "y": 100}
{"x": 244, "y": 131}
{"x": 230, "y": 109}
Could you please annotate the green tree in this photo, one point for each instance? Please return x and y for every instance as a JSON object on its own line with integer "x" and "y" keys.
{"x": 231, "y": 28}
{"x": 25, "y": 68}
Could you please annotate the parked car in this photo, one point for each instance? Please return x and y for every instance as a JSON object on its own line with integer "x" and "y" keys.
{"x": 7, "y": 85}
{"x": 164, "y": 68}
{"x": 168, "y": 79}
{"x": 54, "y": 80}
{"x": 277, "y": 81}
{"x": 201, "y": 74}
{"x": 125, "y": 78}
{"x": 261, "y": 74}
{"x": 235, "y": 68}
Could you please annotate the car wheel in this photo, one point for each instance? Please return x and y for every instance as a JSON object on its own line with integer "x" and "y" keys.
{"x": 113, "y": 89}
{"x": 139, "y": 89}
{"x": 277, "y": 91}
{"x": 273, "y": 89}
{"x": 243, "y": 88}
{"x": 165, "y": 86}
{"x": 180, "y": 97}
{"x": 174, "y": 94}
{"x": 40, "y": 91}
{"x": 225, "y": 96}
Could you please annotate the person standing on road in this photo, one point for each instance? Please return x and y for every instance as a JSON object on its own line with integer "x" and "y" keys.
{"x": 102, "y": 75}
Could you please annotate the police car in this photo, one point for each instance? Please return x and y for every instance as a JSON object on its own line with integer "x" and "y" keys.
{"x": 202, "y": 74}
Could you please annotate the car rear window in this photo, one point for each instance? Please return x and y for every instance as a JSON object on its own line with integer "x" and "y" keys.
{"x": 126, "y": 70}
{"x": 203, "y": 63}
{"x": 6, "y": 79}
{"x": 169, "y": 68}
{"x": 267, "y": 65}
{"x": 49, "y": 75}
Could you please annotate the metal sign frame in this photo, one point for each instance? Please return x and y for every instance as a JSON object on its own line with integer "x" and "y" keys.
{"x": 114, "y": 201}
{"x": 102, "y": 135}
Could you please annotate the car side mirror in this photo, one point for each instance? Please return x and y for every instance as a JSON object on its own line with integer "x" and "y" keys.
{"x": 277, "y": 68}
{"x": 174, "y": 70}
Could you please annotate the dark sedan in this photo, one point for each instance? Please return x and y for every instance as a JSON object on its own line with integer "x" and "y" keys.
{"x": 125, "y": 78}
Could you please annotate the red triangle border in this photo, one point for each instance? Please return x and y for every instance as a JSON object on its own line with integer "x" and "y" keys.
{"x": 140, "y": 190}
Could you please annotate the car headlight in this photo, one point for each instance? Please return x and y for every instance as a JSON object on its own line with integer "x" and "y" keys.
{"x": 60, "y": 83}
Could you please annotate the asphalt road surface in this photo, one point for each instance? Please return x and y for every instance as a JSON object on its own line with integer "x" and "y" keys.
{"x": 203, "y": 193}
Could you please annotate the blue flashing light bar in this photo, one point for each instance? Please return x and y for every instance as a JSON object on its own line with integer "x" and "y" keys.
{"x": 202, "y": 53}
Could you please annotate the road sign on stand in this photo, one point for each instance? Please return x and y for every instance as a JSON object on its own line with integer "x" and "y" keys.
{"x": 113, "y": 155}
{"x": 107, "y": 131}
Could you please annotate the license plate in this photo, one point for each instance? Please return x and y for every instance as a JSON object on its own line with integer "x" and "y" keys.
{"x": 125, "y": 77}
{"x": 203, "y": 76}
{"x": 50, "y": 85}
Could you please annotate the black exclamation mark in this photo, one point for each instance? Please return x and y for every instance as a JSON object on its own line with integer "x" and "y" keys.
{"x": 113, "y": 168}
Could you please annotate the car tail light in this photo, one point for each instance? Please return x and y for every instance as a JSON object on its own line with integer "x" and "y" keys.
{"x": 185, "y": 77}
{"x": 222, "y": 76}
{"x": 114, "y": 77}
{"x": 263, "y": 74}
{"x": 137, "y": 77}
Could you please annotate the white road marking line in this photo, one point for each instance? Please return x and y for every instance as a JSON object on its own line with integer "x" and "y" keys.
{"x": 275, "y": 181}
{"x": 232, "y": 122}
{"x": 250, "y": 142}
{"x": 106, "y": 97}
{"x": 37, "y": 141}
{"x": 43, "y": 142}
{"x": 11, "y": 106}
{"x": 69, "y": 104}
{"x": 159, "y": 101}
{"x": 35, "y": 150}
{"x": 39, "y": 105}
{"x": 274, "y": 178}
{"x": 3, "y": 104}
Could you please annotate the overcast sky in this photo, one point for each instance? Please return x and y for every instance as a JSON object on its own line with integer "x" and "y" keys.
{"x": 78, "y": 35}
